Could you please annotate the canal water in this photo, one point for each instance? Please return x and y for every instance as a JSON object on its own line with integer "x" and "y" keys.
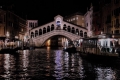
{"x": 54, "y": 64}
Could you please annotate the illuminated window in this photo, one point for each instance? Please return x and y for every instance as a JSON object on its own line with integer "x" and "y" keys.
{"x": 76, "y": 18}
{"x": 82, "y": 18}
{"x": 22, "y": 29}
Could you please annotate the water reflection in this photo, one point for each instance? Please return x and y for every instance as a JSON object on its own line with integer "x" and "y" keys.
{"x": 25, "y": 61}
{"x": 53, "y": 64}
{"x": 7, "y": 66}
{"x": 105, "y": 74}
{"x": 59, "y": 63}
{"x": 68, "y": 66}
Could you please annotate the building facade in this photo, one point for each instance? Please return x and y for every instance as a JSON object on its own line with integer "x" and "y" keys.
{"x": 2, "y": 23}
{"x": 115, "y": 16}
{"x": 93, "y": 21}
{"x": 110, "y": 16}
{"x": 11, "y": 25}
{"x": 88, "y": 21}
{"x": 105, "y": 11}
{"x": 30, "y": 25}
{"x": 76, "y": 18}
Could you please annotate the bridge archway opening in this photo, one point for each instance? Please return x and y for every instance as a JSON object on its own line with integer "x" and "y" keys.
{"x": 57, "y": 41}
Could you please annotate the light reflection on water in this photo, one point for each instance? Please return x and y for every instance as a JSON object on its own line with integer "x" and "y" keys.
{"x": 105, "y": 74}
{"x": 7, "y": 66}
{"x": 53, "y": 64}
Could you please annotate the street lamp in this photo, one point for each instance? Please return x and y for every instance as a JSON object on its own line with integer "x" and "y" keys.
{"x": 7, "y": 34}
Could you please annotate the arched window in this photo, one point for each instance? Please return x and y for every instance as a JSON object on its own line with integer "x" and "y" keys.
{"x": 44, "y": 30}
{"x": 52, "y": 27}
{"x": 33, "y": 24}
{"x": 30, "y": 25}
{"x": 69, "y": 29}
{"x": 32, "y": 35}
{"x": 77, "y": 31}
{"x": 64, "y": 27}
{"x": 73, "y": 30}
{"x": 40, "y": 31}
{"x": 36, "y": 33}
{"x": 85, "y": 34}
{"x": 48, "y": 28}
{"x": 81, "y": 33}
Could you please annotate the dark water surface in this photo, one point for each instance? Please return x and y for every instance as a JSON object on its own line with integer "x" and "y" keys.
{"x": 54, "y": 64}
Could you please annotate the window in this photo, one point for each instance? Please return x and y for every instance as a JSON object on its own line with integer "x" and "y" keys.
{"x": 73, "y": 18}
{"x": 76, "y": 18}
{"x": 82, "y": 18}
{"x": 36, "y": 33}
{"x": 22, "y": 29}
{"x": 116, "y": 31}
{"x": 35, "y": 24}
{"x": 30, "y": 25}
{"x": 85, "y": 34}
{"x": 81, "y": 33}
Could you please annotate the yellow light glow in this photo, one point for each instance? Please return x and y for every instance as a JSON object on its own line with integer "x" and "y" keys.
{"x": 48, "y": 42}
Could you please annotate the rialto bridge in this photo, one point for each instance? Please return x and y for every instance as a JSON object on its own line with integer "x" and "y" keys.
{"x": 41, "y": 34}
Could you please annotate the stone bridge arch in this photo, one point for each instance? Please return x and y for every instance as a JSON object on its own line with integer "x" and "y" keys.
{"x": 53, "y": 36}
{"x": 40, "y": 40}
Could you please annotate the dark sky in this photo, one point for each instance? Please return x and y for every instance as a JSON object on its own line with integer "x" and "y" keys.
{"x": 45, "y": 10}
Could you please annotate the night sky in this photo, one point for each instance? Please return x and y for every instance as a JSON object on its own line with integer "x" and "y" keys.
{"x": 45, "y": 10}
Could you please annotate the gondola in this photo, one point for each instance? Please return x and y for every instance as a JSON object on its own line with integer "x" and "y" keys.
{"x": 70, "y": 50}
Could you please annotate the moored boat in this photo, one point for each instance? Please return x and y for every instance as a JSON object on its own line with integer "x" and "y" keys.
{"x": 70, "y": 50}
{"x": 103, "y": 47}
